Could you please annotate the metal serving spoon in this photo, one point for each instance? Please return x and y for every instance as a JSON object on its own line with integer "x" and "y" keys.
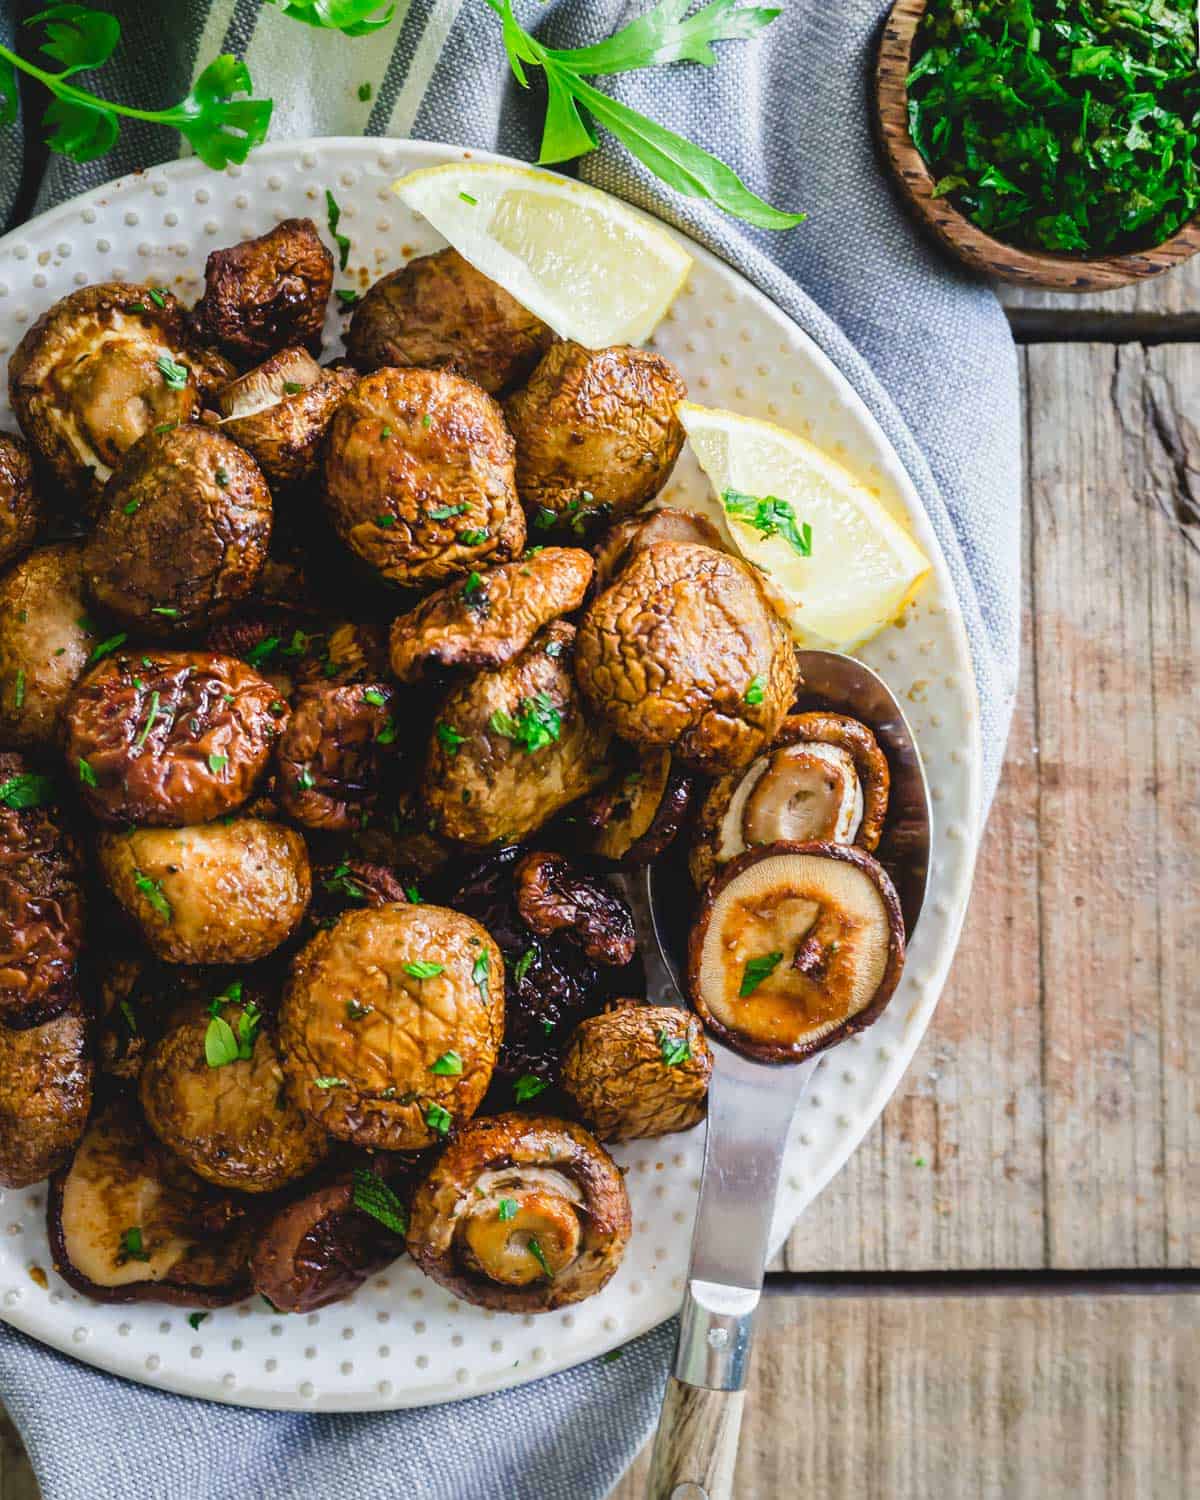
{"x": 750, "y": 1109}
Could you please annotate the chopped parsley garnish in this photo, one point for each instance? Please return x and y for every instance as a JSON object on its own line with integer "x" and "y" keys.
{"x": 480, "y": 970}
{"x": 222, "y": 477}
{"x": 540, "y": 1256}
{"x": 86, "y": 774}
{"x": 19, "y": 689}
{"x": 422, "y": 968}
{"x": 175, "y": 375}
{"x": 166, "y": 427}
{"x": 385, "y": 432}
{"x": 756, "y": 692}
{"x": 151, "y": 715}
{"x": 770, "y": 517}
{"x": 473, "y": 537}
{"x": 438, "y": 1119}
{"x": 537, "y": 723}
{"x": 265, "y": 648}
{"x": 467, "y": 198}
{"x": 132, "y": 1247}
{"x": 450, "y": 738}
{"x": 298, "y": 644}
{"x": 756, "y": 971}
{"x": 304, "y": 779}
{"x": 293, "y": 387}
{"x": 472, "y": 592}
{"x": 674, "y": 1049}
{"x": 544, "y": 519}
{"x": 128, "y": 1016}
{"x": 28, "y": 789}
{"x": 611, "y": 1357}
{"x": 130, "y": 507}
{"x": 195, "y": 1319}
{"x": 334, "y": 212}
{"x": 158, "y": 295}
{"x": 330, "y": 1083}
{"x": 153, "y": 892}
{"x": 444, "y": 512}
{"x": 387, "y": 522}
{"x": 357, "y": 1011}
{"x": 507, "y": 1210}
{"x": 524, "y": 964}
{"x": 222, "y": 1044}
{"x": 347, "y": 296}
{"x": 387, "y": 735}
{"x": 528, "y": 1086}
{"x": 373, "y": 1196}
{"x": 340, "y": 884}
{"x": 448, "y": 1065}
{"x": 165, "y": 609}
{"x": 413, "y": 894}
{"x": 373, "y": 695}
{"x": 217, "y": 763}
{"x": 364, "y": 92}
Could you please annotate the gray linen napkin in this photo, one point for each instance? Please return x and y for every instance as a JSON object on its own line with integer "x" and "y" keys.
{"x": 928, "y": 350}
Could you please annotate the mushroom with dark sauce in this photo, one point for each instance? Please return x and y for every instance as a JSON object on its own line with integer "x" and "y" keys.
{"x": 267, "y": 293}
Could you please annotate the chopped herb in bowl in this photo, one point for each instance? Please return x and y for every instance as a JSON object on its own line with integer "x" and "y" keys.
{"x": 1069, "y": 126}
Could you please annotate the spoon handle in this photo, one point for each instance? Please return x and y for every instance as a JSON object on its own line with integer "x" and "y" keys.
{"x": 696, "y": 1445}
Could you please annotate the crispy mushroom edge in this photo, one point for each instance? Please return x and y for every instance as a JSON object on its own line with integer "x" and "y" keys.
{"x": 280, "y": 411}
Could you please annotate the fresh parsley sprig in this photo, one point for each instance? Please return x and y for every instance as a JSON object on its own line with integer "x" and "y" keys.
{"x": 350, "y": 17}
{"x": 220, "y": 126}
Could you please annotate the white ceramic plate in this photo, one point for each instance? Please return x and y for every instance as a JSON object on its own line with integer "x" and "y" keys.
{"x": 403, "y": 1341}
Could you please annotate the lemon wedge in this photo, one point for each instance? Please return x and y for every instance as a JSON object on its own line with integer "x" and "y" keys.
{"x": 592, "y": 268}
{"x": 778, "y": 493}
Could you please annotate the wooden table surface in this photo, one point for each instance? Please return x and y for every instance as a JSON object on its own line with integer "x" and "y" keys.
{"x": 999, "y": 1296}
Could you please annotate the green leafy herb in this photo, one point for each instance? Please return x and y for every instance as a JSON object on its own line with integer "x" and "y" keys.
{"x": 259, "y": 653}
{"x": 422, "y": 969}
{"x": 132, "y": 1247}
{"x": 540, "y": 1256}
{"x": 166, "y": 610}
{"x": 350, "y": 17}
{"x": 217, "y": 763}
{"x": 330, "y": 1083}
{"x": 293, "y": 387}
{"x": 364, "y": 92}
{"x": 304, "y": 779}
{"x": 507, "y": 1210}
{"x": 467, "y": 198}
{"x": 175, "y": 375}
{"x": 448, "y": 1065}
{"x": 387, "y": 735}
{"x": 413, "y": 894}
{"x": 357, "y": 1011}
{"x": 373, "y": 695}
{"x": 222, "y": 478}
{"x": 153, "y": 892}
{"x": 480, "y": 972}
{"x": 195, "y": 1319}
{"x": 756, "y": 971}
{"x": 544, "y": 518}
{"x": 220, "y": 126}
{"x": 450, "y": 738}
{"x": 169, "y": 427}
{"x": 27, "y": 789}
{"x": 757, "y": 690}
{"x": 524, "y": 963}
{"x": 347, "y": 296}
{"x": 528, "y": 1086}
{"x": 158, "y": 295}
{"x": 1069, "y": 127}
{"x": 86, "y": 774}
{"x": 473, "y": 593}
{"x": 472, "y": 537}
{"x": 611, "y": 1357}
{"x": 386, "y": 521}
{"x": 19, "y": 689}
{"x": 151, "y": 715}
{"x": 438, "y": 1119}
{"x": 444, "y": 512}
{"x": 220, "y": 1044}
{"x": 128, "y": 1016}
{"x": 373, "y": 1196}
{"x": 537, "y": 723}
{"x": 674, "y": 1049}
{"x": 769, "y": 517}
{"x": 335, "y": 218}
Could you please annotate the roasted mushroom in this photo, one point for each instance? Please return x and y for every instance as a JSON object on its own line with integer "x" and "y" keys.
{"x": 45, "y": 1096}
{"x": 183, "y": 532}
{"x": 268, "y": 293}
{"x": 553, "y": 898}
{"x": 439, "y": 312}
{"x": 41, "y": 899}
{"x": 128, "y": 1222}
{"x": 390, "y": 1024}
{"x": 640, "y": 813}
{"x": 596, "y": 432}
{"x": 796, "y": 947}
{"x": 213, "y": 1091}
{"x": 513, "y": 746}
{"x": 21, "y": 510}
{"x": 419, "y": 477}
{"x": 172, "y": 737}
{"x": 219, "y": 893}
{"x": 349, "y": 884}
{"x": 332, "y": 752}
{"x": 490, "y": 618}
{"x": 824, "y": 778}
{"x": 634, "y": 534}
{"x": 521, "y": 1214}
{"x": 100, "y": 368}
{"x": 320, "y": 1249}
{"x": 45, "y": 642}
{"x": 637, "y": 1071}
{"x": 279, "y": 413}
{"x": 684, "y": 650}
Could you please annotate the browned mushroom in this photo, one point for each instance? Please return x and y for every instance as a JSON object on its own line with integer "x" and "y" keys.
{"x": 521, "y": 1214}
{"x": 551, "y": 898}
{"x": 352, "y": 883}
{"x": 638, "y": 1070}
{"x": 667, "y": 523}
{"x": 685, "y": 651}
{"x": 21, "y": 510}
{"x": 493, "y": 616}
{"x": 279, "y": 413}
{"x": 332, "y": 752}
{"x": 640, "y": 813}
{"x": 267, "y": 293}
{"x": 824, "y": 778}
{"x": 45, "y": 1096}
{"x": 796, "y": 947}
{"x": 46, "y": 640}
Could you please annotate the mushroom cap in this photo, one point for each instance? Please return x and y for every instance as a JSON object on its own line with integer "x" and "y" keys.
{"x": 85, "y": 381}
{"x": 565, "y": 1192}
{"x": 45, "y": 1096}
{"x": 636, "y": 1071}
{"x": 183, "y": 533}
{"x": 45, "y": 642}
{"x": 414, "y": 461}
{"x": 553, "y": 898}
{"x": 347, "y": 885}
{"x": 216, "y": 893}
{"x": 795, "y": 947}
{"x": 596, "y": 432}
{"x": 332, "y": 751}
{"x": 171, "y": 737}
{"x": 668, "y": 654}
{"x": 233, "y": 1124}
{"x": 666, "y": 523}
{"x": 21, "y": 509}
{"x": 439, "y": 313}
{"x": 486, "y": 624}
{"x": 824, "y": 778}
{"x": 488, "y": 786}
{"x": 641, "y": 812}
{"x": 279, "y": 413}
{"x": 361, "y": 1029}
{"x": 267, "y": 293}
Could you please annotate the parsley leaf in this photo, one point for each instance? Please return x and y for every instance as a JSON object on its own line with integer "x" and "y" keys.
{"x": 103, "y": 649}
{"x": 528, "y": 1086}
{"x": 27, "y": 789}
{"x": 174, "y": 374}
{"x": 449, "y": 1065}
{"x": 152, "y": 890}
{"x": 350, "y": 17}
{"x": 438, "y": 1119}
{"x": 756, "y": 971}
{"x": 132, "y": 1246}
{"x": 674, "y": 1049}
{"x": 422, "y": 969}
{"x": 450, "y": 738}
{"x": 524, "y": 964}
{"x": 540, "y": 1256}
{"x": 333, "y": 209}
{"x": 757, "y": 690}
{"x": 537, "y": 723}
{"x": 769, "y": 517}
{"x": 507, "y": 1210}
{"x": 480, "y": 972}
{"x": 373, "y": 1196}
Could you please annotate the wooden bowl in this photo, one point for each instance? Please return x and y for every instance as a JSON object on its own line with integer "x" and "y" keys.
{"x": 1061, "y": 273}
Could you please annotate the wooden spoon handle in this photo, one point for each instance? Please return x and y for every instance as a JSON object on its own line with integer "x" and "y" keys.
{"x": 696, "y": 1445}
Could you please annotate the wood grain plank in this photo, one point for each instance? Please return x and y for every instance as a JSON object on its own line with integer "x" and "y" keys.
{"x": 16, "y": 1477}
{"x": 982, "y": 1398}
{"x": 1166, "y": 307}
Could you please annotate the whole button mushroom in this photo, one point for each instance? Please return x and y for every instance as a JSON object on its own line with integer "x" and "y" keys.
{"x": 267, "y": 293}
{"x": 46, "y": 641}
{"x": 419, "y": 477}
{"x": 521, "y": 1214}
{"x": 685, "y": 651}
{"x": 391, "y": 1022}
{"x": 183, "y": 533}
{"x": 439, "y": 313}
{"x": 45, "y": 1096}
{"x": 279, "y": 413}
{"x": 596, "y": 433}
{"x": 20, "y": 505}
{"x": 169, "y": 738}
{"x": 218, "y": 893}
